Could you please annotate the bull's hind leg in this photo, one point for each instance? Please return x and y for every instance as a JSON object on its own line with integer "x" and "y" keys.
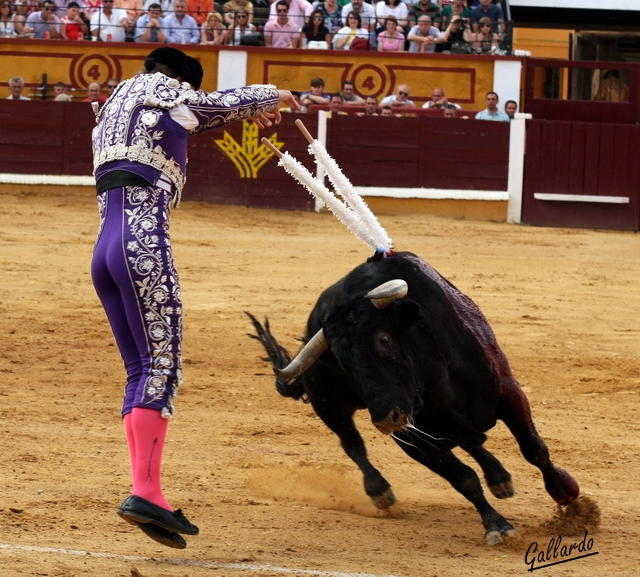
{"x": 497, "y": 477}
{"x": 463, "y": 479}
{"x": 514, "y": 410}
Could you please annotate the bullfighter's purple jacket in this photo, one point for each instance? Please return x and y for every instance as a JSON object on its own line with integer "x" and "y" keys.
{"x": 136, "y": 133}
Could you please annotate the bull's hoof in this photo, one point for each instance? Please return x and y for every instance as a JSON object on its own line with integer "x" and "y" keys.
{"x": 494, "y": 537}
{"x": 562, "y": 487}
{"x": 384, "y": 501}
{"x": 503, "y": 490}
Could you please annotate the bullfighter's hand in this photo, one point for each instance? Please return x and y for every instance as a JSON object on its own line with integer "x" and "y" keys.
{"x": 263, "y": 119}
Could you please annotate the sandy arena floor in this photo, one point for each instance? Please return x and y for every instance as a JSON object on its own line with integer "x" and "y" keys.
{"x": 273, "y": 493}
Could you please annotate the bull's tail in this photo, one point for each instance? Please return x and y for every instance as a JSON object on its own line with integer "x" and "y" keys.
{"x": 279, "y": 358}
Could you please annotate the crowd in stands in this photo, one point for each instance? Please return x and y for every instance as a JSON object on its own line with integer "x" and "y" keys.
{"x": 457, "y": 26}
{"x": 397, "y": 104}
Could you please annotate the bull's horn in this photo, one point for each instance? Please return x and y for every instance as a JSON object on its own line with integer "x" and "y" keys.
{"x": 305, "y": 358}
{"x": 387, "y": 292}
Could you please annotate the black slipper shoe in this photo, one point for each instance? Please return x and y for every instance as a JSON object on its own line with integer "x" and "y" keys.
{"x": 135, "y": 510}
{"x": 167, "y": 538}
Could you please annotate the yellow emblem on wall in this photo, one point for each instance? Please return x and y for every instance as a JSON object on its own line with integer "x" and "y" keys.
{"x": 252, "y": 155}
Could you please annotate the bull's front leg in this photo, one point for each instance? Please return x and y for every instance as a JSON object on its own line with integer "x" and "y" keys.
{"x": 340, "y": 421}
{"x": 331, "y": 404}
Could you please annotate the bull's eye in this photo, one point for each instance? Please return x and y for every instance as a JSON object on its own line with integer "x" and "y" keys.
{"x": 384, "y": 340}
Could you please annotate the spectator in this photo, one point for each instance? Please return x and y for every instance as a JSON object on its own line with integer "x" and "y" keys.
{"x": 213, "y": 31}
{"x": 22, "y": 9}
{"x": 390, "y": 40}
{"x": 180, "y": 27}
{"x": 240, "y": 28}
{"x": 94, "y": 94}
{"x": 510, "y": 108}
{"x": 491, "y": 11}
{"x": 343, "y": 39}
{"x": 111, "y": 85}
{"x": 315, "y": 30}
{"x": 151, "y": 27}
{"x": 438, "y": 100}
{"x": 397, "y": 9}
{"x": 454, "y": 37}
{"x": 198, "y": 9}
{"x": 7, "y": 20}
{"x": 59, "y": 88}
{"x": 17, "y": 86}
{"x": 298, "y": 12}
{"x": 611, "y": 88}
{"x": 134, "y": 11}
{"x": 423, "y": 37}
{"x": 296, "y": 97}
{"x": 332, "y": 13}
{"x": 62, "y": 5}
{"x": 316, "y": 94}
{"x": 109, "y": 24}
{"x": 450, "y": 111}
{"x": 282, "y": 33}
{"x": 72, "y": 26}
{"x": 492, "y": 112}
{"x": 365, "y": 12}
{"x": 386, "y": 111}
{"x": 370, "y": 107}
{"x": 90, "y": 8}
{"x": 45, "y": 24}
{"x": 349, "y": 96}
{"x": 456, "y": 8}
{"x": 424, "y": 8}
{"x": 166, "y": 6}
{"x": 400, "y": 99}
{"x": 485, "y": 41}
{"x": 232, "y": 6}
{"x": 335, "y": 105}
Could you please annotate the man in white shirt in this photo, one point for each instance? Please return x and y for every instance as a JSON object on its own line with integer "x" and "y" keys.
{"x": 399, "y": 99}
{"x": 17, "y": 86}
{"x": 108, "y": 24}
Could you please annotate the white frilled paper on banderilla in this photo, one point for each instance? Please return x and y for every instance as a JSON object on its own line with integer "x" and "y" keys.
{"x": 353, "y": 212}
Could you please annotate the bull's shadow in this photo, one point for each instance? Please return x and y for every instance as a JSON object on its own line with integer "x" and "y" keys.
{"x": 396, "y": 338}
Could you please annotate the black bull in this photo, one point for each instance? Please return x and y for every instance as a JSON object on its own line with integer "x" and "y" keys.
{"x": 429, "y": 370}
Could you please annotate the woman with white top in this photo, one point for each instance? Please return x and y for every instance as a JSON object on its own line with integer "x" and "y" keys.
{"x": 395, "y": 8}
{"x": 240, "y": 27}
{"x": 344, "y": 37}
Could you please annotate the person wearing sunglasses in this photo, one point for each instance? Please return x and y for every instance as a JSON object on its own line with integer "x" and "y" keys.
{"x": 109, "y": 24}
{"x": 230, "y": 8}
{"x": 400, "y": 99}
{"x": 489, "y": 10}
{"x": 111, "y": 85}
{"x": 283, "y": 32}
{"x": 140, "y": 145}
{"x": 485, "y": 41}
{"x": 240, "y": 27}
{"x": 315, "y": 30}
{"x": 299, "y": 12}
{"x": 45, "y": 24}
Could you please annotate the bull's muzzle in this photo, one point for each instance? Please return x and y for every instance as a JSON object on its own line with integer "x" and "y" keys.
{"x": 394, "y": 421}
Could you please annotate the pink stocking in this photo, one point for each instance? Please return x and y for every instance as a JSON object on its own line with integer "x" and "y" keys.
{"x": 146, "y": 431}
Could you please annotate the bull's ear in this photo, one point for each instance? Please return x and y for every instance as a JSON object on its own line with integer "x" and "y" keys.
{"x": 407, "y": 314}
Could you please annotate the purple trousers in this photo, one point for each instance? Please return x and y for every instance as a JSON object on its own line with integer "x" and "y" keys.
{"x": 136, "y": 280}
